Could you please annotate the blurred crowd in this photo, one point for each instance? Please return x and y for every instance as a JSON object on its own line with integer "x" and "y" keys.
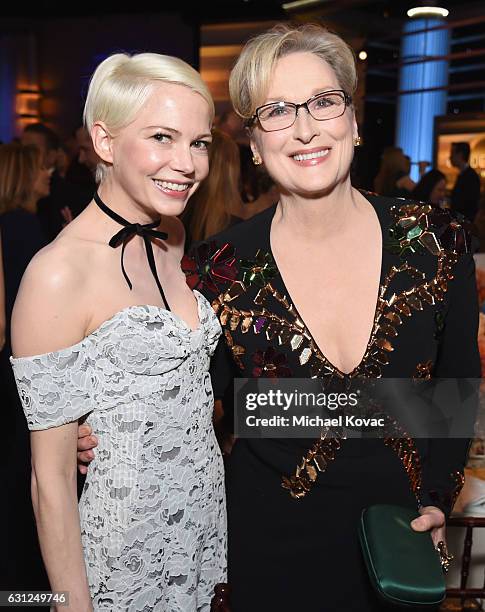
{"x": 393, "y": 179}
{"x": 46, "y": 182}
{"x": 61, "y": 181}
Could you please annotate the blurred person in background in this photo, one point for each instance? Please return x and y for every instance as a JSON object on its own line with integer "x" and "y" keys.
{"x": 87, "y": 155}
{"x": 217, "y": 203}
{"x": 82, "y": 170}
{"x": 46, "y": 140}
{"x": 65, "y": 200}
{"x": 466, "y": 191}
{"x": 23, "y": 182}
{"x": 430, "y": 188}
{"x": 258, "y": 190}
{"x": 230, "y": 123}
{"x": 393, "y": 178}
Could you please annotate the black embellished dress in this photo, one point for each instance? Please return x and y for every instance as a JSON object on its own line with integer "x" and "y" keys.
{"x": 294, "y": 505}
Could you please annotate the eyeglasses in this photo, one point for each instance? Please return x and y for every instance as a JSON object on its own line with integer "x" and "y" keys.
{"x": 281, "y": 115}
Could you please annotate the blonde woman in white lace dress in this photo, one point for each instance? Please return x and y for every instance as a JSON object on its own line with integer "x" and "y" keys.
{"x": 127, "y": 345}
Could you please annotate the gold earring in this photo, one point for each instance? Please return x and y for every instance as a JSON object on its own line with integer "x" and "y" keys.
{"x": 357, "y": 141}
{"x": 257, "y": 161}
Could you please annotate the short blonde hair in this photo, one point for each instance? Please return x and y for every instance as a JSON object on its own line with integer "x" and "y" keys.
{"x": 251, "y": 75}
{"x": 122, "y": 83}
{"x": 19, "y": 167}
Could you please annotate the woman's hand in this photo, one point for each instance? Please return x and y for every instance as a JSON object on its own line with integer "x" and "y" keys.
{"x": 85, "y": 443}
{"x": 431, "y": 519}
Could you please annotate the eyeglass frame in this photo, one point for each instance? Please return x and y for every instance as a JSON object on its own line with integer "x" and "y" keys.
{"x": 347, "y": 102}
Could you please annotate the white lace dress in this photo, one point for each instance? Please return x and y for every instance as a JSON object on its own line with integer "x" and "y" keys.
{"x": 153, "y": 513}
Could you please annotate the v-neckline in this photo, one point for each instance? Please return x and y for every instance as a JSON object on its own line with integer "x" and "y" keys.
{"x": 378, "y": 212}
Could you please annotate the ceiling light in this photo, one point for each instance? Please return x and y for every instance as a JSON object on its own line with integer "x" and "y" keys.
{"x": 363, "y": 55}
{"x": 288, "y": 6}
{"x": 428, "y": 11}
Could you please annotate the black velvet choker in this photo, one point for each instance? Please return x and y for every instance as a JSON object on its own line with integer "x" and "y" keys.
{"x": 135, "y": 229}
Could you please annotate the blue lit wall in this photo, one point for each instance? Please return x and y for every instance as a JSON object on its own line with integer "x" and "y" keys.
{"x": 416, "y": 112}
{"x": 7, "y": 92}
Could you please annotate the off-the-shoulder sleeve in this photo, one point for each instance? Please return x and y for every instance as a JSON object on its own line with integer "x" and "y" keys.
{"x": 458, "y": 358}
{"x": 55, "y": 388}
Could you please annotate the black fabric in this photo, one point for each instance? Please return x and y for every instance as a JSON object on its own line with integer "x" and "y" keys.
{"x": 62, "y": 194}
{"x": 466, "y": 193}
{"x": 287, "y": 554}
{"x": 457, "y": 358}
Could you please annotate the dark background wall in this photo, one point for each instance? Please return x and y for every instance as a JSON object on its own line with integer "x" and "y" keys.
{"x": 62, "y": 53}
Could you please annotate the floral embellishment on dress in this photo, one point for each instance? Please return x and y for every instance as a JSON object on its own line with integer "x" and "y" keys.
{"x": 419, "y": 228}
{"x": 270, "y": 364}
{"x": 260, "y": 270}
{"x": 236, "y": 349}
{"x": 424, "y": 371}
{"x": 210, "y": 266}
{"x": 259, "y": 324}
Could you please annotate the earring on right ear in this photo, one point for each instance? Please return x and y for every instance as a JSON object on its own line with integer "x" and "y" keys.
{"x": 257, "y": 161}
{"x": 357, "y": 141}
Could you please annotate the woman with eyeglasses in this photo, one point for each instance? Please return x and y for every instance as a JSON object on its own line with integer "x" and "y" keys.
{"x": 341, "y": 286}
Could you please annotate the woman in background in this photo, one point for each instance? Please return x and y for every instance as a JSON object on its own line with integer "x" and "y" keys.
{"x": 217, "y": 203}
{"x": 23, "y": 182}
{"x": 393, "y": 178}
{"x": 257, "y": 187}
{"x": 431, "y": 188}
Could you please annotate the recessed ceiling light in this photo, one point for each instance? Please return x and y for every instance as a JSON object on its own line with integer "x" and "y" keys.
{"x": 299, "y": 4}
{"x": 429, "y": 11}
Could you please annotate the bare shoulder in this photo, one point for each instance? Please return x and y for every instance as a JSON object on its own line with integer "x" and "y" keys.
{"x": 50, "y": 311}
{"x": 57, "y": 268}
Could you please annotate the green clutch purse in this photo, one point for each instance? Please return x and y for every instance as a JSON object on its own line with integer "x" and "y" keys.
{"x": 403, "y": 565}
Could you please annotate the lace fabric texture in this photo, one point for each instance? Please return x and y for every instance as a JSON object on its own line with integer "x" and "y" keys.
{"x": 153, "y": 516}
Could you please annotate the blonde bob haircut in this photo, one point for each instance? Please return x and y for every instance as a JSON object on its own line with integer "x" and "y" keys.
{"x": 122, "y": 83}
{"x": 250, "y": 78}
{"x": 19, "y": 168}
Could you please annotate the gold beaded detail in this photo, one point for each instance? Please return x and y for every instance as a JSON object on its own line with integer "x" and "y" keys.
{"x": 414, "y": 231}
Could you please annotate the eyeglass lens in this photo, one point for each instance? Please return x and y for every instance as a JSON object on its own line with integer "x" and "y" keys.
{"x": 279, "y": 115}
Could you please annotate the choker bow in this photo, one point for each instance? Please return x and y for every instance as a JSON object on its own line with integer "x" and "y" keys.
{"x": 129, "y": 230}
